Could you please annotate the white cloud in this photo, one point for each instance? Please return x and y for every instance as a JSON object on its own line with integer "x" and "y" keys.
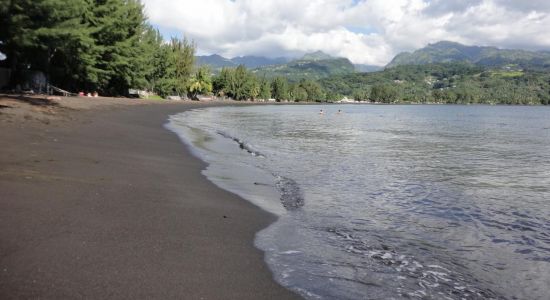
{"x": 367, "y": 31}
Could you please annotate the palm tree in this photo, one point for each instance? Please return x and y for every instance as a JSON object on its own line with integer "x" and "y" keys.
{"x": 200, "y": 83}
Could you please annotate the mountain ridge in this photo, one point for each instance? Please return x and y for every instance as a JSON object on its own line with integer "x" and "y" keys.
{"x": 317, "y": 55}
{"x": 253, "y": 61}
{"x": 316, "y": 65}
{"x": 488, "y": 56}
{"x": 312, "y": 65}
{"x": 308, "y": 68}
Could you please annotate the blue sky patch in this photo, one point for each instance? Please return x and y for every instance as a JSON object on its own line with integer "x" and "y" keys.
{"x": 360, "y": 29}
{"x": 168, "y": 32}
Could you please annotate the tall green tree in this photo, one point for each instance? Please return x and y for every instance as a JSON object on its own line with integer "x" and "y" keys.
{"x": 65, "y": 49}
{"x": 265, "y": 89}
{"x": 170, "y": 65}
{"x": 298, "y": 93}
{"x": 279, "y": 88}
{"x": 313, "y": 90}
{"x": 223, "y": 82}
{"x": 163, "y": 75}
{"x": 16, "y": 33}
{"x": 254, "y": 87}
{"x": 239, "y": 84}
{"x": 46, "y": 35}
{"x": 118, "y": 29}
{"x": 183, "y": 59}
{"x": 155, "y": 61}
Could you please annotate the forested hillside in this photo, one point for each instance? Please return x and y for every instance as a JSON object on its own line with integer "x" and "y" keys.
{"x": 446, "y": 52}
{"x": 315, "y": 65}
{"x": 448, "y": 72}
{"x": 445, "y": 83}
{"x": 308, "y": 68}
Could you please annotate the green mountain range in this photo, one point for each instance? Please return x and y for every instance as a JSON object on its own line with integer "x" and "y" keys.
{"x": 314, "y": 65}
{"x": 444, "y": 72}
{"x": 448, "y": 72}
{"x": 446, "y": 52}
{"x": 311, "y": 66}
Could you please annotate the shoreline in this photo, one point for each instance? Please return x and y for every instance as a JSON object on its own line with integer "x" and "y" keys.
{"x": 107, "y": 203}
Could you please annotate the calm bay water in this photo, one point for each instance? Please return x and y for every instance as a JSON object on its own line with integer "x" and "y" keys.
{"x": 381, "y": 202}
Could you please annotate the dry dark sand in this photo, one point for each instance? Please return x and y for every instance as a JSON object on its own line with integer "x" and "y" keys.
{"x": 103, "y": 202}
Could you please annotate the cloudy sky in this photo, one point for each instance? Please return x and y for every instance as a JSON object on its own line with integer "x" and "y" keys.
{"x": 365, "y": 31}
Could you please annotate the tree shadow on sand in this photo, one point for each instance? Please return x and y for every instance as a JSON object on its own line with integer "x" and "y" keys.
{"x": 32, "y": 100}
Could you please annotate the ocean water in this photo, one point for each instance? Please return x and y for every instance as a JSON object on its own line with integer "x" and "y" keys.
{"x": 390, "y": 202}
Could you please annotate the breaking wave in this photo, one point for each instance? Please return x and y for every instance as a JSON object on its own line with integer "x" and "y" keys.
{"x": 242, "y": 144}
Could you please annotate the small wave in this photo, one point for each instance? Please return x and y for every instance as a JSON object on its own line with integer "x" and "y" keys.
{"x": 291, "y": 194}
{"x": 243, "y": 145}
{"x": 435, "y": 281}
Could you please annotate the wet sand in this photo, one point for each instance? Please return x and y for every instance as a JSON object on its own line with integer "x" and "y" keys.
{"x": 100, "y": 201}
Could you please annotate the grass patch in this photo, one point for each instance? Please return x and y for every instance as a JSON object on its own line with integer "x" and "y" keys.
{"x": 507, "y": 74}
{"x": 154, "y": 97}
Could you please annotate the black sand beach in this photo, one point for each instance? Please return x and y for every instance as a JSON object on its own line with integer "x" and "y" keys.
{"x": 100, "y": 201}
